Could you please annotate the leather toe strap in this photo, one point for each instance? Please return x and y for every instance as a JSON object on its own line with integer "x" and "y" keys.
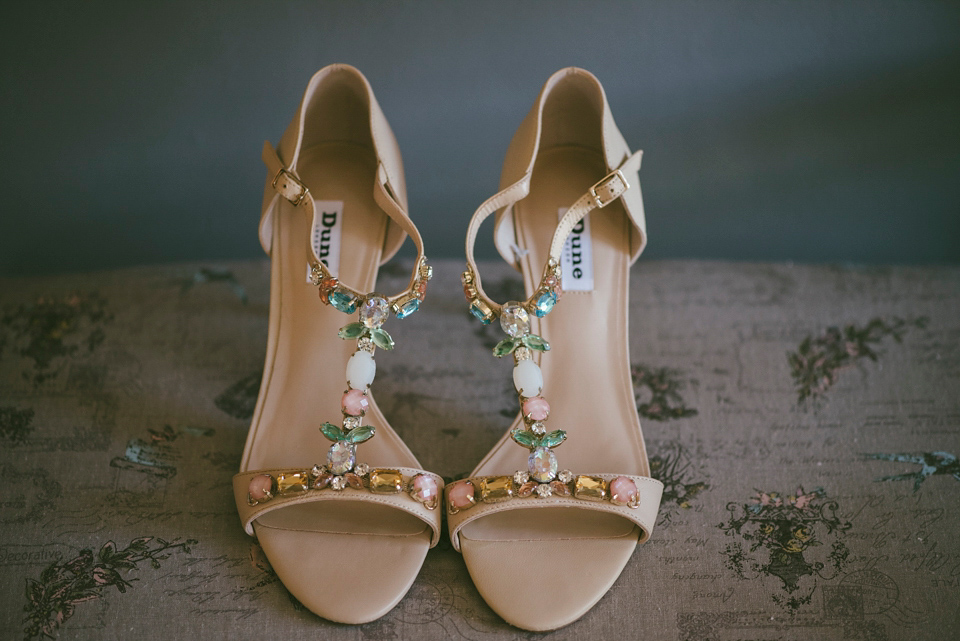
{"x": 635, "y": 498}
{"x": 411, "y": 490}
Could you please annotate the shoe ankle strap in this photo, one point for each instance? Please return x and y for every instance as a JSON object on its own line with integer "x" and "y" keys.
{"x": 284, "y": 190}
{"x": 607, "y": 190}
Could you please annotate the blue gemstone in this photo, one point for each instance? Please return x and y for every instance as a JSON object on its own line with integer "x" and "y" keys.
{"x": 479, "y": 315}
{"x": 344, "y": 302}
{"x": 544, "y": 304}
{"x": 408, "y": 308}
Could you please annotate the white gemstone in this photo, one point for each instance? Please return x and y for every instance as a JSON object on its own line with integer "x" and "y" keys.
{"x": 316, "y": 471}
{"x": 361, "y": 469}
{"x": 538, "y": 428}
{"x": 373, "y": 311}
{"x": 351, "y": 422}
{"x": 528, "y": 379}
{"x": 361, "y": 369}
{"x": 365, "y": 344}
{"x": 341, "y": 456}
{"x": 338, "y": 482}
{"x": 514, "y": 319}
{"x": 565, "y": 476}
{"x": 544, "y": 491}
{"x": 542, "y": 465}
{"x": 520, "y": 477}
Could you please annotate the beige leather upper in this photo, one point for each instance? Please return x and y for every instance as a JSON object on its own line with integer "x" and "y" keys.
{"x": 389, "y": 188}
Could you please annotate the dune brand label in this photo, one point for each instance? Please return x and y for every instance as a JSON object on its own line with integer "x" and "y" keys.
{"x": 325, "y": 234}
{"x": 576, "y": 261}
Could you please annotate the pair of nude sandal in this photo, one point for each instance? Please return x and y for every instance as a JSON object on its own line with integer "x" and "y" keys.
{"x": 330, "y": 491}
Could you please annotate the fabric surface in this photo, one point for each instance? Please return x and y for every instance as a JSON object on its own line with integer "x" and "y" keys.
{"x": 804, "y": 419}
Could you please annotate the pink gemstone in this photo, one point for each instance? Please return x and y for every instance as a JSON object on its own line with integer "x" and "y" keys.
{"x": 353, "y": 480}
{"x": 560, "y": 488}
{"x": 424, "y": 488}
{"x": 322, "y": 481}
{"x": 460, "y": 495}
{"x": 536, "y": 408}
{"x": 355, "y": 403}
{"x": 527, "y": 489}
{"x": 622, "y": 491}
{"x": 261, "y": 487}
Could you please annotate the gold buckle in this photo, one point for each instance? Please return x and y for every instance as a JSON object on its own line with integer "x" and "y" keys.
{"x": 608, "y": 190}
{"x": 290, "y": 188}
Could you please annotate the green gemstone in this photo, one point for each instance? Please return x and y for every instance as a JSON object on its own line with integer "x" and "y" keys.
{"x": 344, "y": 302}
{"x": 408, "y": 308}
{"x": 524, "y": 438}
{"x": 332, "y": 432}
{"x": 535, "y": 342}
{"x": 353, "y": 330}
{"x": 479, "y": 315}
{"x": 504, "y": 347}
{"x": 544, "y": 303}
{"x": 553, "y": 438}
{"x": 381, "y": 338}
{"x": 360, "y": 434}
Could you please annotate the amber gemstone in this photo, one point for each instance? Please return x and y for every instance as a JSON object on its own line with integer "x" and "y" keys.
{"x": 385, "y": 481}
{"x": 496, "y": 488}
{"x": 292, "y": 482}
{"x": 592, "y": 488}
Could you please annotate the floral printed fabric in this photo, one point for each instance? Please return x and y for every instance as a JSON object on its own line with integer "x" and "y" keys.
{"x": 803, "y": 419}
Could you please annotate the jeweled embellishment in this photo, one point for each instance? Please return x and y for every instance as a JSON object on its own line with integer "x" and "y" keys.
{"x": 591, "y": 488}
{"x": 542, "y": 465}
{"x": 341, "y": 457}
{"x": 406, "y": 306}
{"x": 544, "y": 491}
{"x": 514, "y": 319}
{"x": 482, "y": 312}
{"x": 262, "y": 488}
{"x": 544, "y": 304}
{"x": 346, "y": 303}
{"x": 292, "y": 483}
{"x": 424, "y": 489}
{"x": 385, "y": 481}
{"x": 460, "y": 496}
{"x": 496, "y": 488}
{"x": 373, "y": 311}
{"x": 623, "y": 491}
{"x": 327, "y": 286}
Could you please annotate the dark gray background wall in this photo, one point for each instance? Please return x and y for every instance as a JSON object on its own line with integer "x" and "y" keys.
{"x": 812, "y": 131}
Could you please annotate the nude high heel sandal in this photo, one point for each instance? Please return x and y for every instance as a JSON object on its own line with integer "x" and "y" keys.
{"x": 328, "y": 488}
{"x": 529, "y": 519}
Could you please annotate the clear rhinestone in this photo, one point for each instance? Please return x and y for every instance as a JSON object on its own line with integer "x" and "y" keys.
{"x": 542, "y": 465}
{"x": 514, "y": 319}
{"x": 351, "y": 422}
{"x": 520, "y": 477}
{"x": 361, "y": 469}
{"x": 338, "y": 483}
{"x": 538, "y": 428}
{"x": 366, "y": 345}
{"x": 565, "y": 476}
{"x": 341, "y": 456}
{"x": 373, "y": 311}
{"x": 522, "y": 353}
{"x": 316, "y": 471}
{"x": 544, "y": 490}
